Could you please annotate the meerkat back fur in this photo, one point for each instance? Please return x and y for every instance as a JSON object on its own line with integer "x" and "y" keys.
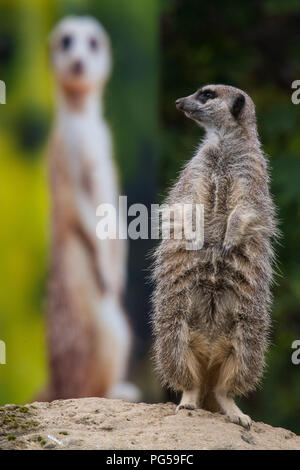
{"x": 88, "y": 333}
{"x": 211, "y": 306}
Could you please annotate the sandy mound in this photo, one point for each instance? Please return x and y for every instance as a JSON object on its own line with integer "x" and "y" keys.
{"x": 97, "y": 423}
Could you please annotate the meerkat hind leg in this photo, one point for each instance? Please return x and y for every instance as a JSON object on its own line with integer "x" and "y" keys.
{"x": 232, "y": 411}
{"x": 222, "y": 394}
{"x": 189, "y": 400}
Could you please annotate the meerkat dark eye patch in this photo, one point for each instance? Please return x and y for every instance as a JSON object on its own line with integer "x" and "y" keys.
{"x": 205, "y": 95}
{"x": 66, "y": 42}
{"x": 94, "y": 44}
{"x": 237, "y": 105}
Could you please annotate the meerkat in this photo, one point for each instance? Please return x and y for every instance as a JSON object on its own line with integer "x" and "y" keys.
{"x": 89, "y": 338}
{"x": 211, "y": 306}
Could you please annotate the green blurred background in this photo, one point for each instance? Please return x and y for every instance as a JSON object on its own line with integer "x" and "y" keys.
{"x": 162, "y": 50}
{"x": 25, "y": 121}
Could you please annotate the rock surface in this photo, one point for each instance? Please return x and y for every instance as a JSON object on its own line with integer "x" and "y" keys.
{"x": 98, "y": 423}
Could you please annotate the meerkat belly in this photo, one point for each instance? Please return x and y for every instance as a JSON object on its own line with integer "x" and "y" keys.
{"x": 215, "y": 297}
{"x": 213, "y": 309}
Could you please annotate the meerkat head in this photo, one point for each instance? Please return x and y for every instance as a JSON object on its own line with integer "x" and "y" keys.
{"x": 81, "y": 57}
{"x": 218, "y": 107}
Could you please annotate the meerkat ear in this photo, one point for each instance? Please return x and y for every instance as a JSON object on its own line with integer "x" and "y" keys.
{"x": 237, "y": 106}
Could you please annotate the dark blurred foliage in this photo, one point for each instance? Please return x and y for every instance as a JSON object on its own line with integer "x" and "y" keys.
{"x": 253, "y": 45}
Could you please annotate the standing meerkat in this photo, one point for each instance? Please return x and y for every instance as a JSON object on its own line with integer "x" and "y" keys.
{"x": 88, "y": 334}
{"x": 211, "y": 306}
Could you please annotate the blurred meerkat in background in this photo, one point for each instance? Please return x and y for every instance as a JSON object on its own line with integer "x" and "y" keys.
{"x": 89, "y": 337}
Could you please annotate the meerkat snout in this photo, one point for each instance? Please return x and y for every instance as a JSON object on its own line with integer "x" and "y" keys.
{"x": 179, "y": 103}
{"x": 190, "y": 107}
{"x": 77, "y": 68}
{"x": 186, "y": 103}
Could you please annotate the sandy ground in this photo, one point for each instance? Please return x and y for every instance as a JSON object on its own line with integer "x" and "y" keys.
{"x": 98, "y": 423}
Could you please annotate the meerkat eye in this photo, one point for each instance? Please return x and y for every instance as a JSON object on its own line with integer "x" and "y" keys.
{"x": 66, "y": 42}
{"x": 204, "y": 95}
{"x": 94, "y": 44}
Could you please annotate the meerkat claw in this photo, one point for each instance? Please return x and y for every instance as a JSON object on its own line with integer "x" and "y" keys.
{"x": 242, "y": 420}
{"x": 187, "y": 406}
{"x": 226, "y": 250}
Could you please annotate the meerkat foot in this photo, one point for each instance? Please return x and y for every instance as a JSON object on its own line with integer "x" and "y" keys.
{"x": 186, "y": 406}
{"x": 188, "y": 400}
{"x": 241, "y": 419}
{"x": 232, "y": 411}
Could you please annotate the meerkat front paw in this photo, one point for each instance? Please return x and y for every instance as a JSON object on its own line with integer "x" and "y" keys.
{"x": 241, "y": 419}
{"x": 185, "y": 406}
{"x": 226, "y": 248}
{"x": 188, "y": 400}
